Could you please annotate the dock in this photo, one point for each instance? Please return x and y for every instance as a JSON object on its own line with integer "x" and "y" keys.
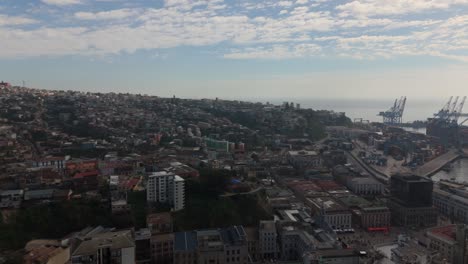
{"x": 435, "y": 165}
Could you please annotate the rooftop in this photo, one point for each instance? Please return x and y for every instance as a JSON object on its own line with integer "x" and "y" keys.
{"x": 302, "y": 153}
{"x": 233, "y": 235}
{"x": 185, "y": 241}
{"x": 327, "y": 203}
{"x": 354, "y": 201}
{"x": 365, "y": 180}
{"x": 267, "y": 226}
{"x": 11, "y": 192}
{"x": 338, "y": 253}
{"x": 114, "y": 240}
{"x": 446, "y": 233}
{"x": 411, "y": 178}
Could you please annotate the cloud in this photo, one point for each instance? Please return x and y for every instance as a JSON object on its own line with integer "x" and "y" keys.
{"x": 285, "y": 3}
{"x": 275, "y": 52}
{"x": 61, "y": 2}
{"x": 107, "y": 15}
{"x": 15, "y": 20}
{"x": 245, "y": 29}
{"x": 394, "y": 7}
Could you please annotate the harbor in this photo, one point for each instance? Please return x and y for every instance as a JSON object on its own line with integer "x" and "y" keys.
{"x": 458, "y": 172}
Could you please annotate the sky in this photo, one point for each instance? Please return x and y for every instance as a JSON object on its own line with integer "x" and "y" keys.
{"x": 238, "y": 48}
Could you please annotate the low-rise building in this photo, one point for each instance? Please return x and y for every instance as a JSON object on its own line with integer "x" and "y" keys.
{"x": 120, "y": 206}
{"x": 47, "y": 252}
{"x": 374, "y": 218}
{"x": 227, "y": 245}
{"x": 50, "y": 162}
{"x": 298, "y": 240}
{"x": 45, "y": 194}
{"x": 331, "y": 212}
{"x": 234, "y": 239}
{"x": 185, "y": 248}
{"x": 143, "y": 246}
{"x": 102, "y": 246}
{"x": 451, "y": 203}
{"x": 11, "y": 198}
{"x": 162, "y": 248}
{"x": 443, "y": 240}
{"x": 268, "y": 239}
{"x": 160, "y": 223}
{"x": 304, "y": 159}
{"x": 411, "y": 252}
{"x": 365, "y": 186}
{"x": 334, "y": 256}
{"x": 253, "y": 243}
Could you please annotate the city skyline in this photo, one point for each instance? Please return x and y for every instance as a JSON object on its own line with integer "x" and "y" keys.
{"x": 242, "y": 49}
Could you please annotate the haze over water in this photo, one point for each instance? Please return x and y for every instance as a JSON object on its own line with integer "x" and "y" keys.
{"x": 368, "y": 109}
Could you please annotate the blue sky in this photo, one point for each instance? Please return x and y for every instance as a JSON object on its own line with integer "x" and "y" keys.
{"x": 238, "y": 48}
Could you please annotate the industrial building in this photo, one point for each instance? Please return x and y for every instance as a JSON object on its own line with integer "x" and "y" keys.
{"x": 445, "y": 125}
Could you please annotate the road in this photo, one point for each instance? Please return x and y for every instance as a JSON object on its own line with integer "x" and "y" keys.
{"x": 244, "y": 193}
{"x": 364, "y": 167}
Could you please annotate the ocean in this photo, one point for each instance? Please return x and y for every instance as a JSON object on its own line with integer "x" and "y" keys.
{"x": 459, "y": 172}
{"x": 368, "y": 109}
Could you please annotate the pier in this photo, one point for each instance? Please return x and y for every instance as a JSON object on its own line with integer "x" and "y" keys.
{"x": 435, "y": 165}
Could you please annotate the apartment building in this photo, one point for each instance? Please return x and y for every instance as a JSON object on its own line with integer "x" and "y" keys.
{"x": 164, "y": 187}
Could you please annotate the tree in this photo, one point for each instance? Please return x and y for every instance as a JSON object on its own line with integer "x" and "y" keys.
{"x": 214, "y": 181}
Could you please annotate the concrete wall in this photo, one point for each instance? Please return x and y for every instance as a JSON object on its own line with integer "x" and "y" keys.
{"x": 128, "y": 255}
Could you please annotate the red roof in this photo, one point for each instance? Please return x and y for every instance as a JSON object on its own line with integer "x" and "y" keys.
{"x": 131, "y": 183}
{"x": 306, "y": 187}
{"x": 447, "y": 232}
{"x": 328, "y": 185}
{"x": 86, "y": 174}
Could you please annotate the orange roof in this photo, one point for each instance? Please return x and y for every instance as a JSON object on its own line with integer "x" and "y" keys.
{"x": 41, "y": 254}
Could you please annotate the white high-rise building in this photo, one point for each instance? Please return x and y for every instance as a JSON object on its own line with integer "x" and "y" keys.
{"x": 164, "y": 187}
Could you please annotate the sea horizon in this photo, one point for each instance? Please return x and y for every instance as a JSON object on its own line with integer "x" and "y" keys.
{"x": 365, "y": 108}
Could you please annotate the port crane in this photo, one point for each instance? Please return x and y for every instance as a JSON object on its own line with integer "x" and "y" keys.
{"x": 452, "y": 110}
{"x": 446, "y": 122}
{"x": 394, "y": 116}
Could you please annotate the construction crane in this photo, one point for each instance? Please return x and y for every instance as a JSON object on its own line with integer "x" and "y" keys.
{"x": 394, "y": 116}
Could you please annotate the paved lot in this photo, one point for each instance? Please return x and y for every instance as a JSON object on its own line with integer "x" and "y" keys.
{"x": 369, "y": 239}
